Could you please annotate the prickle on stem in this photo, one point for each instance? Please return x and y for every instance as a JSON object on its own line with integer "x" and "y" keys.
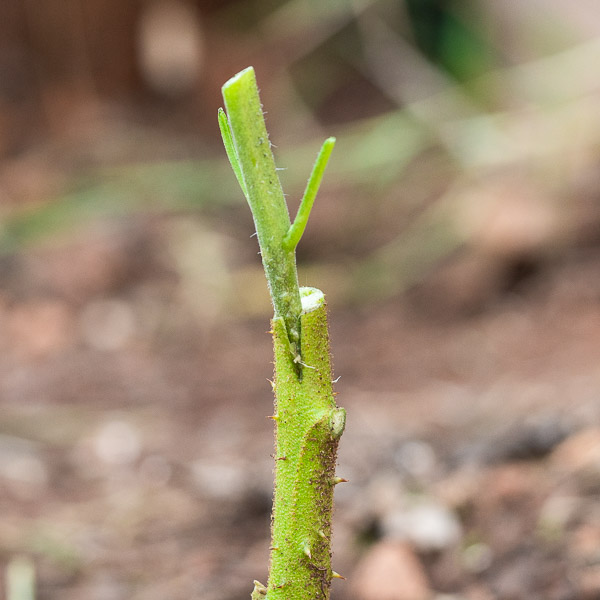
{"x": 306, "y": 550}
{"x": 259, "y": 592}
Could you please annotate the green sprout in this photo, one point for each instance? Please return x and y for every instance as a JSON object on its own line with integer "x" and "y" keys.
{"x": 307, "y": 420}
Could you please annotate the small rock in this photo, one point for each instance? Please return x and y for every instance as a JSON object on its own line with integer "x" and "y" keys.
{"x": 170, "y": 47}
{"x": 580, "y": 451}
{"x": 118, "y": 443}
{"x": 584, "y": 544}
{"x": 39, "y": 328}
{"x": 459, "y": 488}
{"x": 219, "y": 480}
{"x": 588, "y": 582}
{"x": 428, "y": 525}
{"x": 555, "y": 514}
{"x": 22, "y": 469}
{"x": 510, "y": 483}
{"x": 477, "y": 557}
{"x": 391, "y": 571}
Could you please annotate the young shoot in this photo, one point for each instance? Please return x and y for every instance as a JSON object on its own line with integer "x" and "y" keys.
{"x": 308, "y": 423}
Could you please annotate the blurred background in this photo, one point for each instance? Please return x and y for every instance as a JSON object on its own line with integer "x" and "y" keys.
{"x": 457, "y": 237}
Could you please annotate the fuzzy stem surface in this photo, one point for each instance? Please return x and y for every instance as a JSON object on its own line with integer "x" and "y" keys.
{"x": 308, "y": 429}
{"x": 307, "y": 421}
{"x": 259, "y": 181}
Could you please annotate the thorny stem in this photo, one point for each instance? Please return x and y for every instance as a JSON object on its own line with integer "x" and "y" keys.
{"x": 307, "y": 421}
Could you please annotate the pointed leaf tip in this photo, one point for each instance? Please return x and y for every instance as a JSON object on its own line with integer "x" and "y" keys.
{"x": 292, "y": 237}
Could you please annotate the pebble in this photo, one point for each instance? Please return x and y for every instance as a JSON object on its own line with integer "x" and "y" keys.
{"x": 477, "y": 557}
{"x": 219, "y": 480}
{"x": 22, "y": 468}
{"x": 588, "y": 582}
{"x": 118, "y": 443}
{"x": 390, "y": 570}
{"x": 428, "y": 525}
{"x": 580, "y": 451}
{"x": 39, "y": 328}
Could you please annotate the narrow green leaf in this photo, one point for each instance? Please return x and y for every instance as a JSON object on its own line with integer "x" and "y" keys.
{"x": 230, "y": 149}
{"x": 291, "y": 239}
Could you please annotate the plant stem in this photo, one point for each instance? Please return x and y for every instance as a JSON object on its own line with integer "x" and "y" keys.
{"x": 308, "y": 422}
{"x": 262, "y": 189}
{"x": 308, "y": 428}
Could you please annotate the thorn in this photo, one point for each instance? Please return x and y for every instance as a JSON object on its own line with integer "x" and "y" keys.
{"x": 335, "y": 575}
{"x": 337, "y": 480}
{"x": 273, "y": 547}
{"x": 259, "y": 591}
{"x": 321, "y": 533}
{"x": 306, "y": 550}
{"x": 307, "y": 366}
{"x": 336, "y": 379}
{"x": 282, "y": 458}
{"x": 273, "y": 417}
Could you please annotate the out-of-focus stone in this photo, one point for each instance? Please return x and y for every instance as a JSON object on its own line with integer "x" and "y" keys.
{"x": 220, "y": 480}
{"x": 588, "y": 582}
{"x": 509, "y": 482}
{"x": 22, "y": 468}
{"x": 391, "y": 571}
{"x": 477, "y": 557}
{"x": 555, "y": 514}
{"x": 170, "y": 47}
{"x": 427, "y": 524}
{"x": 39, "y": 328}
{"x": 579, "y": 451}
{"x": 118, "y": 443}
{"x": 460, "y": 487}
{"x": 584, "y": 544}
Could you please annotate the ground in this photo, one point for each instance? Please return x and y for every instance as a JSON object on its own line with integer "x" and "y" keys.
{"x": 135, "y": 452}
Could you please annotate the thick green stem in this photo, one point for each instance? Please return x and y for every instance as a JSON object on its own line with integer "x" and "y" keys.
{"x": 308, "y": 422}
{"x": 308, "y": 428}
